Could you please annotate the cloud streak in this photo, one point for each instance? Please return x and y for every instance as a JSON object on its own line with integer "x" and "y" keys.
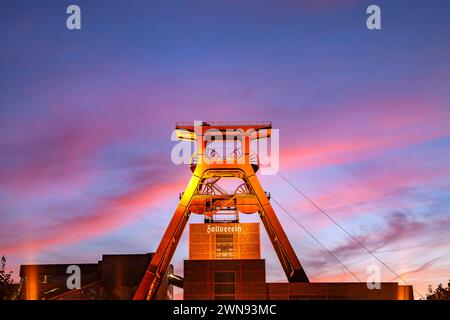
{"x": 111, "y": 213}
{"x": 397, "y": 228}
{"x": 356, "y": 132}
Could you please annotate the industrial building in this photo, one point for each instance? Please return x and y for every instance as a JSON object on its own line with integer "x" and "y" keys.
{"x": 225, "y": 263}
{"x": 224, "y": 255}
{"x": 114, "y": 277}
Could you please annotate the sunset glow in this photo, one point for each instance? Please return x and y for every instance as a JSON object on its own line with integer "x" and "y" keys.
{"x": 364, "y": 119}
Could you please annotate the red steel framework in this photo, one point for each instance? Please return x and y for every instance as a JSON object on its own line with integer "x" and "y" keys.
{"x": 203, "y": 196}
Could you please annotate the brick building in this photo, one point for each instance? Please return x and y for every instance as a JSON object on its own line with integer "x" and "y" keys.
{"x": 225, "y": 264}
{"x": 115, "y": 277}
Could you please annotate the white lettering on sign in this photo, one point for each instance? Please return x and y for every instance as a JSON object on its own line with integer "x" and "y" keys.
{"x": 223, "y": 229}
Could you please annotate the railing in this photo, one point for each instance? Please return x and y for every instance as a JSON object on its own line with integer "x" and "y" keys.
{"x": 213, "y": 155}
{"x": 226, "y": 123}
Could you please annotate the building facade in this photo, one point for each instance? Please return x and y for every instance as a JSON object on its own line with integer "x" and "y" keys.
{"x": 225, "y": 264}
{"x": 115, "y": 277}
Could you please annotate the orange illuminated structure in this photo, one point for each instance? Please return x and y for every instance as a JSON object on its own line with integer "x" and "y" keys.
{"x": 204, "y": 196}
{"x": 218, "y": 241}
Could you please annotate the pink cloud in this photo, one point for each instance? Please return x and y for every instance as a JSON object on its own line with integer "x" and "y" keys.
{"x": 56, "y": 157}
{"x": 112, "y": 213}
{"x": 374, "y": 188}
{"x": 423, "y": 267}
{"x": 357, "y": 132}
{"x": 408, "y": 263}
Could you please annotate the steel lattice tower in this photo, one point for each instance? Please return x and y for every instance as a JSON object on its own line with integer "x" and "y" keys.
{"x": 203, "y": 196}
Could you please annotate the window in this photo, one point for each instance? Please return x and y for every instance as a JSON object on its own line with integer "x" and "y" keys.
{"x": 224, "y": 246}
{"x": 224, "y": 286}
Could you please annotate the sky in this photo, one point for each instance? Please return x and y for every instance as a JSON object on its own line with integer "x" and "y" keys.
{"x": 86, "y": 118}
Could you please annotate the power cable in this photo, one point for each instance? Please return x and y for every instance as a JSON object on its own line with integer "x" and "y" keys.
{"x": 344, "y": 230}
{"x": 315, "y": 239}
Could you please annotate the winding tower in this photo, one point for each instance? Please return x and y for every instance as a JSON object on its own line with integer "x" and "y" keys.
{"x": 204, "y": 196}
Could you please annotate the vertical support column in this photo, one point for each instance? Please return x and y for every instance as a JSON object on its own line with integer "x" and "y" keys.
{"x": 157, "y": 268}
{"x": 201, "y": 142}
{"x": 246, "y": 148}
{"x": 286, "y": 254}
